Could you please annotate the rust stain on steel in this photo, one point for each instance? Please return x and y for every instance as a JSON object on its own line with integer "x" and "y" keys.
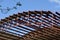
{"x": 39, "y": 25}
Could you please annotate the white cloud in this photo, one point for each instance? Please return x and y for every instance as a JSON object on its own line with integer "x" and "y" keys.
{"x": 56, "y": 1}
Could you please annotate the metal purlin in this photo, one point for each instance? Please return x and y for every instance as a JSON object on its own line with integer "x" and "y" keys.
{"x": 32, "y": 19}
{"x": 47, "y": 33}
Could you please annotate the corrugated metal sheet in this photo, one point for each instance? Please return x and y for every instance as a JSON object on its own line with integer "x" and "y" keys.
{"x": 25, "y": 23}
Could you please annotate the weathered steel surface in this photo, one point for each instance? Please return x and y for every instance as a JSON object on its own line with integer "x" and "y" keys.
{"x": 25, "y": 23}
{"x": 51, "y": 33}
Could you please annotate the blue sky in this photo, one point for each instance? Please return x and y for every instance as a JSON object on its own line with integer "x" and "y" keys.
{"x": 52, "y": 5}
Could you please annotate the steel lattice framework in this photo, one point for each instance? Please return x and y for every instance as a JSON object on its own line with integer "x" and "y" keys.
{"x": 26, "y": 24}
